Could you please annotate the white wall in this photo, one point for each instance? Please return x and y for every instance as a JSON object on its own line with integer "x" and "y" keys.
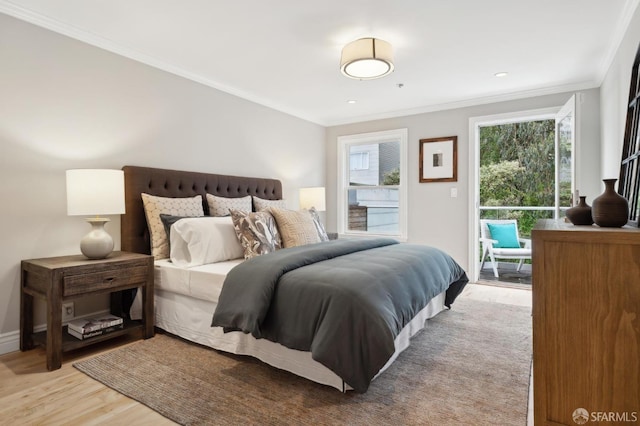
{"x": 434, "y": 217}
{"x": 65, "y": 104}
{"x": 614, "y": 94}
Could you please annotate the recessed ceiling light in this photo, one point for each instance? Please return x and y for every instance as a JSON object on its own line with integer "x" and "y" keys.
{"x": 501, "y": 74}
{"x": 351, "y": 101}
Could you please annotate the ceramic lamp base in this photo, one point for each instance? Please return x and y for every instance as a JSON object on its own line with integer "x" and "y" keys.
{"x": 97, "y": 244}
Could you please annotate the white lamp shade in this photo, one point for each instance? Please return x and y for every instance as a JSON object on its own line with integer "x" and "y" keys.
{"x": 366, "y": 59}
{"x": 95, "y": 192}
{"x": 312, "y": 197}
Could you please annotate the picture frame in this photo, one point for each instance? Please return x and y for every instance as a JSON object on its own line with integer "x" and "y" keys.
{"x": 439, "y": 159}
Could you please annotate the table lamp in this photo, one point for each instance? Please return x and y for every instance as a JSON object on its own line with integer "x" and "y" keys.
{"x": 94, "y": 192}
{"x": 312, "y": 197}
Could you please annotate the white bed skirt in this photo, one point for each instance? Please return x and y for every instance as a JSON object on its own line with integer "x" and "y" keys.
{"x": 190, "y": 319}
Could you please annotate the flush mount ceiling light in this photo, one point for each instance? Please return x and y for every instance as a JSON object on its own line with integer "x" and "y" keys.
{"x": 366, "y": 59}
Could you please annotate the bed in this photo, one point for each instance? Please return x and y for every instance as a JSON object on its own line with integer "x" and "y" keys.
{"x": 187, "y": 297}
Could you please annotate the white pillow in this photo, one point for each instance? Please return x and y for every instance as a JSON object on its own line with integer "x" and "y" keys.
{"x": 201, "y": 240}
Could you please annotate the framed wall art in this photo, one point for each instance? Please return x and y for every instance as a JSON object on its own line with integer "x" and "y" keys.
{"x": 439, "y": 159}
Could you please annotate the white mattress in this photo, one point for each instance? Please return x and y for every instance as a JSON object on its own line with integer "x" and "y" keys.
{"x": 201, "y": 282}
{"x": 185, "y": 300}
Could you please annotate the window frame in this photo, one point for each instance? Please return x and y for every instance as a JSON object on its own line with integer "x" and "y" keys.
{"x": 629, "y": 178}
{"x": 344, "y": 143}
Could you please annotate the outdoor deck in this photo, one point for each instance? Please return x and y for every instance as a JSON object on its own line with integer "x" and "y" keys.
{"x": 508, "y": 276}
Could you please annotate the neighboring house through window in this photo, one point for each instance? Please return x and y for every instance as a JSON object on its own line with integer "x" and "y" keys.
{"x": 372, "y": 184}
{"x": 359, "y": 160}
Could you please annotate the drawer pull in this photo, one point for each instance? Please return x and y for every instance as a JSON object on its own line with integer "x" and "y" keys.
{"x": 109, "y": 280}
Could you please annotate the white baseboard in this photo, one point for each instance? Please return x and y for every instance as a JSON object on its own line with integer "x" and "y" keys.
{"x": 9, "y": 342}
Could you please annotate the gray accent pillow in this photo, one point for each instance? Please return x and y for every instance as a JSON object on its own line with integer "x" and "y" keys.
{"x": 322, "y": 233}
{"x": 167, "y": 221}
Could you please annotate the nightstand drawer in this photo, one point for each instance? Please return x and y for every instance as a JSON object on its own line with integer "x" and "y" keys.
{"x": 80, "y": 284}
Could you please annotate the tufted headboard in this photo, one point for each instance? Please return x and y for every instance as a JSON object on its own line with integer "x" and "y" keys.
{"x": 134, "y": 233}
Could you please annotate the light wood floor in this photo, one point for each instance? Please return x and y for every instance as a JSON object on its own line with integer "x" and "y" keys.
{"x": 31, "y": 395}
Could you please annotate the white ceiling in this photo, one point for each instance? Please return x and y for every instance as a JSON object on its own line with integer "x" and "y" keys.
{"x": 285, "y": 53}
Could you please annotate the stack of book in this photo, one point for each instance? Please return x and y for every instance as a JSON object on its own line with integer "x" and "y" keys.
{"x": 91, "y": 327}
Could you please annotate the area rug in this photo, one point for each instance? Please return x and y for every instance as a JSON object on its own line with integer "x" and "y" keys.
{"x": 470, "y": 365}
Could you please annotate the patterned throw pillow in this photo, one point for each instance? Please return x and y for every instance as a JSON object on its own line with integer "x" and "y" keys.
{"x": 257, "y": 232}
{"x": 261, "y": 204}
{"x": 297, "y": 228}
{"x": 322, "y": 233}
{"x": 154, "y": 206}
{"x": 220, "y": 206}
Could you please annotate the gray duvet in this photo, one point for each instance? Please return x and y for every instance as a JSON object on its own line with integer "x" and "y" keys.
{"x": 345, "y": 301}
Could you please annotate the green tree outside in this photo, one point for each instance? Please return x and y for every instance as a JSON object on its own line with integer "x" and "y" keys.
{"x": 392, "y": 177}
{"x": 517, "y": 168}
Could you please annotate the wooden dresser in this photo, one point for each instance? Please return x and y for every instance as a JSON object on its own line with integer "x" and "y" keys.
{"x": 586, "y": 324}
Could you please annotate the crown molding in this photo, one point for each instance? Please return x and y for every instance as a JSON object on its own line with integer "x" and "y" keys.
{"x": 624, "y": 21}
{"x": 467, "y": 103}
{"x": 27, "y": 15}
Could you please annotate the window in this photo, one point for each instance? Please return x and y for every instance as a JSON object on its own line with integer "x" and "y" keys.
{"x": 372, "y": 184}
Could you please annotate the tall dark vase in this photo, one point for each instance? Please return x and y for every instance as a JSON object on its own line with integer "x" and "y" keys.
{"x": 581, "y": 213}
{"x": 610, "y": 209}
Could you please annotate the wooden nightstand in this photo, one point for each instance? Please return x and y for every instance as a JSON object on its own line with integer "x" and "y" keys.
{"x": 59, "y": 279}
